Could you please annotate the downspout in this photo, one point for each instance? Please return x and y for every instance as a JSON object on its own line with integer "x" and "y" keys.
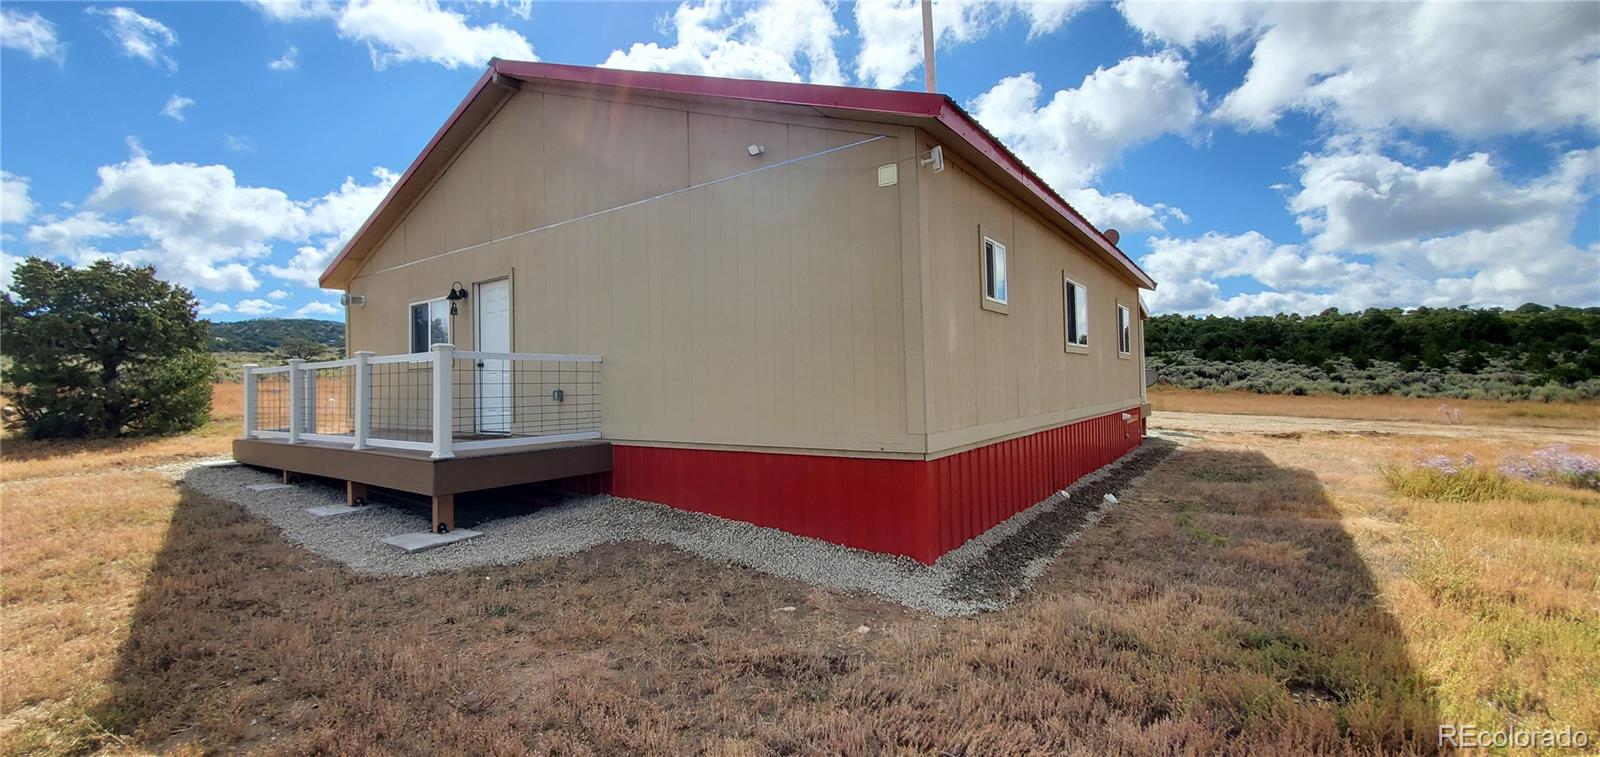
{"x": 1144, "y": 381}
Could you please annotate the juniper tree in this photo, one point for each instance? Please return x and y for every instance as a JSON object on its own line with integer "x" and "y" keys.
{"x": 103, "y": 351}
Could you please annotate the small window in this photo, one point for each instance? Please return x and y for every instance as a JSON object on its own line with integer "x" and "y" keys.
{"x": 1076, "y": 299}
{"x": 994, "y": 271}
{"x": 1124, "y": 331}
{"x": 430, "y": 324}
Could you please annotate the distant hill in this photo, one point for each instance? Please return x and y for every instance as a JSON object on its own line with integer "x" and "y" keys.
{"x": 266, "y": 334}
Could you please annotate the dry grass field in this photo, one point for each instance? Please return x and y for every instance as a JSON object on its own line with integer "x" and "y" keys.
{"x": 1252, "y": 595}
{"x": 34, "y": 459}
{"x": 1576, "y": 415}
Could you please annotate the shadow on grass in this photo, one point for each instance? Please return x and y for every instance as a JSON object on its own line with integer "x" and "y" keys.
{"x": 1220, "y": 609}
{"x": 1231, "y": 564}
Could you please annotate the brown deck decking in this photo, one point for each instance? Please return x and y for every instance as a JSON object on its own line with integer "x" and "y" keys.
{"x": 415, "y": 472}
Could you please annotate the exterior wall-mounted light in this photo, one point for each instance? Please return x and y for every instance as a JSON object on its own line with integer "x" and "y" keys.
{"x": 457, "y": 294}
{"x": 353, "y": 300}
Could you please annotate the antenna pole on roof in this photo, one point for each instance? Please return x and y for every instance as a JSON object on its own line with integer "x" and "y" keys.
{"x": 927, "y": 43}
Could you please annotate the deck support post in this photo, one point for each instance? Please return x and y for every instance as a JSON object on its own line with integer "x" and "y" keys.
{"x": 443, "y": 365}
{"x": 363, "y": 401}
{"x": 444, "y": 513}
{"x": 250, "y": 400}
{"x": 355, "y": 494}
{"x": 296, "y": 399}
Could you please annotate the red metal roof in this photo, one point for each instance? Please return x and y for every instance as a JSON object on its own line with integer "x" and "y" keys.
{"x": 863, "y": 102}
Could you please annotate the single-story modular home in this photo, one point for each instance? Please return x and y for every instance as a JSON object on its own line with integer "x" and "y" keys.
{"x": 847, "y": 313}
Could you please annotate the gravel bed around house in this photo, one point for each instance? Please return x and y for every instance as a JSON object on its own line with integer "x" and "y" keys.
{"x": 985, "y": 574}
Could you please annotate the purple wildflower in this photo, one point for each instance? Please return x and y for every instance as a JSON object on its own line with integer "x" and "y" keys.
{"x": 1556, "y": 464}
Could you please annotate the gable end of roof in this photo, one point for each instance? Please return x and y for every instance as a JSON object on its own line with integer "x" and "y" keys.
{"x": 500, "y": 79}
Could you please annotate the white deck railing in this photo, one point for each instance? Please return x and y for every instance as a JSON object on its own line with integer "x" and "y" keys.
{"x": 438, "y": 401}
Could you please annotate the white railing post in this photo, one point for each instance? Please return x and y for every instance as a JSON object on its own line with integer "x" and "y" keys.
{"x": 444, "y": 361}
{"x": 311, "y": 403}
{"x": 296, "y": 399}
{"x": 250, "y": 399}
{"x": 363, "y": 401}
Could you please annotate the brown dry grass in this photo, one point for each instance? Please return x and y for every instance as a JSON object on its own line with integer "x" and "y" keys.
{"x": 24, "y": 459}
{"x": 1578, "y": 415}
{"x": 1252, "y": 596}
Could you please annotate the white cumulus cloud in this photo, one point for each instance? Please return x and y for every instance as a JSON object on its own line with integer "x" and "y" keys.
{"x": 286, "y": 62}
{"x": 1071, "y": 139}
{"x": 197, "y": 224}
{"x": 402, "y": 32}
{"x": 314, "y": 309}
{"x": 236, "y": 143}
{"x": 1383, "y": 233}
{"x": 1476, "y": 69}
{"x": 31, "y": 33}
{"x": 255, "y": 308}
{"x": 15, "y": 204}
{"x": 175, "y": 107}
{"x": 1363, "y": 200}
{"x": 139, "y": 36}
{"x": 768, "y": 40}
{"x": 334, "y": 219}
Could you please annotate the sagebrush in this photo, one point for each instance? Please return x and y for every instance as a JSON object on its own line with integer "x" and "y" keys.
{"x": 1498, "y": 380}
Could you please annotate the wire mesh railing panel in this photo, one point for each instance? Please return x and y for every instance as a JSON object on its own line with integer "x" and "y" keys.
{"x": 329, "y": 401}
{"x": 494, "y": 399}
{"x": 516, "y": 397}
{"x": 272, "y": 402}
{"x": 400, "y": 403}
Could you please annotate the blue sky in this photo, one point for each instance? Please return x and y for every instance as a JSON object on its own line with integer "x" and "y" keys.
{"x": 1257, "y": 157}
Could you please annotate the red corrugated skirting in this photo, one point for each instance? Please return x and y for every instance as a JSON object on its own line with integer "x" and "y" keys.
{"x": 920, "y": 509}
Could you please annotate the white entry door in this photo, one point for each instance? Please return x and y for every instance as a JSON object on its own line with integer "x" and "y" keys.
{"x": 495, "y": 391}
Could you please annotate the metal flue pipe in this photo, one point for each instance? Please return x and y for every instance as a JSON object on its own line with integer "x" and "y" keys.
{"x": 927, "y": 44}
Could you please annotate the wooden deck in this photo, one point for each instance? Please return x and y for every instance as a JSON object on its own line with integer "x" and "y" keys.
{"x": 416, "y": 472}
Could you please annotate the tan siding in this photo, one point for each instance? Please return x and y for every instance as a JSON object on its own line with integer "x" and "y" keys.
{"x": 993, "y": 374}
{"x": 762, "y": 311}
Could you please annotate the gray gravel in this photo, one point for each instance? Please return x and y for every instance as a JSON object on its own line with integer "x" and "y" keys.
{"x": 985, "y": 574}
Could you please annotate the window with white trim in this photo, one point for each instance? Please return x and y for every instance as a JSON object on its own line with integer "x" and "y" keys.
{"x": 994, "y": 271}
{"x": 1124, "y": 331}
{"x": 430, "y": 324}
{"x": 1075, "y": 299}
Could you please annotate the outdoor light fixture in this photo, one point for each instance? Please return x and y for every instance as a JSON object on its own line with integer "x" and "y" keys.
{"x": 353, "y": 300}
{"x": 457, "y": 294}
